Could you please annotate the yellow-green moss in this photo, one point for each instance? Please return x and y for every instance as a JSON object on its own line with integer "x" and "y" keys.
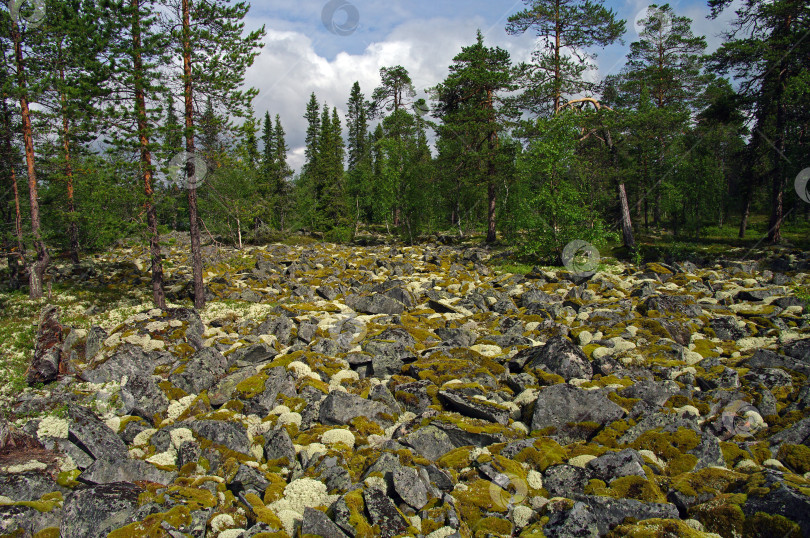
{"x": 251, "y": 387}
{"x": 655, "y": 528}
{"x": 720, "y": 515}
{"x": 50, "y": 532}
{"x": 708, "y": 480}
{"x": 762, "y": 525}
{"x": 490, "y": 526}
{"x": 796, "y": 457}
{"x": 150, "y": 527}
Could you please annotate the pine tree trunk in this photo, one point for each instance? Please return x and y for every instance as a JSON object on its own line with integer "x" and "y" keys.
{"x": 491, "y": 236}
{"x": 627, "y": 223}
{"x": 778, "y": 180}
{"x": 37, "y": 272}
{"x": 73, "y": 228}
{"x": 16, "y": 266}
{"x": 158, "y": 295}
{"x": 194, "y": 229}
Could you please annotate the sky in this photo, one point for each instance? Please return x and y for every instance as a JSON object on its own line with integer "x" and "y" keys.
{"x": 325, "y": 46}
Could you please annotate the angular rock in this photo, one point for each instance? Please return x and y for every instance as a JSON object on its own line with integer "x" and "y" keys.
{"x": 382, "y": 511}
{"x": 253, "y": 354}
{"x": 224, "y": 389}
{"x": 229, "y": 434}
{"x": 414, "y": 396}
{"x": 559, "y": 356}
{"x": 44, "y": 366}
{"x": 565, "y": 480}
{"x": 26, "y": 521}
{"x": 94, "y": 342}
{"x": 95, "y": 511}
{"x": 799, "y": 350}
{"x": 105, "y": 471}
{"x": 341, "y": 407}
{"x": 317, "y": 523}
{"x": 627, "y": 462}
{"x": 655, "y": 393}
{"x": 727, "y": 328}
{"x": 248, "y": 479}
{"x": 610, "y": 512}
{"x": 277, "y": 445}
{"x": 764, "y": 358}
{"x": 279, "y": 381}
{"x": 429, "y": 441}
{"x": 28, "y": 486}
{"x": 375, "y": 304}
{"x": 578, "y": 521}
{"x": 410, "y": 487}
{"x": 280, "y": 327}
{"x": 93, "y": 436}
{"x": 562, "y": 405}
{"x": 471, "y": 407}
{"x": 127, "y": 360}
{"x": 201, "y": 371}
{"x": 681, "y": 305}
{"x": 142, "y": 397}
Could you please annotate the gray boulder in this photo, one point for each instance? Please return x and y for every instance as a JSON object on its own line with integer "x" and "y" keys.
{"x": 95, "y": 511}
{"x": 340, "y": 408}
{"x": 562, "y": 406}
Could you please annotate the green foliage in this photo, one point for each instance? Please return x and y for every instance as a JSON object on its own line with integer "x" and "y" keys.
{"x": 549, "y": 207}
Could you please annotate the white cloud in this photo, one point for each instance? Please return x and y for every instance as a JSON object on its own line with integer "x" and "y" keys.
{"x": 289, "y": 69}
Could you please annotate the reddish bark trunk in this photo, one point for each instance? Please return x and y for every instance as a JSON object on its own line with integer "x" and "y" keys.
{"x": 37, "y": 272}
{"x": 158, "y": 295}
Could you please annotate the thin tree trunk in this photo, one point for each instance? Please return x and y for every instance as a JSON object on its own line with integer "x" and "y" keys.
{"x": 778, "y": 180}
{"x": 627, "y": 223}
{"x": 9, "y": 152}
{"x": 73, "y": 228}
{"x": 37, "y": 272}
{"x": 158, "y": 295}
{"x": 194, "y": 229}
{"x": 746, "y": 210}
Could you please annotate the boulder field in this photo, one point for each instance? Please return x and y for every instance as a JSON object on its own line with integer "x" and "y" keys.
{"x": 344, "y": 391}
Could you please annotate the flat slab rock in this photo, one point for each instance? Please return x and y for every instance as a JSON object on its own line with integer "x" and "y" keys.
{"x": 95, "y": 511}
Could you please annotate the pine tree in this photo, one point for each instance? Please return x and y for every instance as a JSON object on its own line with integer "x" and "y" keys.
{"x": 20, "y": 39}
{"x": 138, "y": 48}
{"x": 282, "y": 172}
{"x": 563, "y": 25}
{"x": 215, "y": 56}
{"x": 768, "y": 52}
{"x": 473, "y": 108}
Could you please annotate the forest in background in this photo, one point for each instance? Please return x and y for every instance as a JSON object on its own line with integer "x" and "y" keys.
{"x": 130, "y": 119}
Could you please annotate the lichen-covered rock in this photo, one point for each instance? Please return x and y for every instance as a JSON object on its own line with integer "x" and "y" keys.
{"x": 142, "y": 397}
{"x": 383, "y": 512}
{"x": 560, "y": 408}
{"x": 44, "y": 366}
{"x": 341, "y": 408}
{"x": 229, "y": 434}
{"x": 94, "y": 436}
{"x": 95, "y": 511}
{"x": 559, "y": 356}
{"x": 316, "y": 523}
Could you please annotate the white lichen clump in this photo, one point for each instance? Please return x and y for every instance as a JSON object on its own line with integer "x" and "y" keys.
{"x": 51, "y": 426}
{"x": 534, "y": 479}
{"x": 338, "y": 436}
{"x": 221, "y": 521}
{"x": 176, "y": 407}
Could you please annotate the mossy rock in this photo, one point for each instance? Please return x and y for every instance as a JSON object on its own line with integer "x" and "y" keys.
{"x": 796, "y": 457}
{"x": 655, "y": 528}
{"x": 762, "y": 525}
{"x": 492, "y": 526}
{"x": 709, "y": 480}
{"x": 635, "y": 487}
{"x": 672, "y": 447}
{"x": 611, "y": 433}
{"x": 733, "y": 454}
{"x": 720, "y": 515}
{"x": 151, "y": 526}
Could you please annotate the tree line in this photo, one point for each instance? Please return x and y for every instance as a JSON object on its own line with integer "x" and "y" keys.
{"x": 532, "y": 154}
